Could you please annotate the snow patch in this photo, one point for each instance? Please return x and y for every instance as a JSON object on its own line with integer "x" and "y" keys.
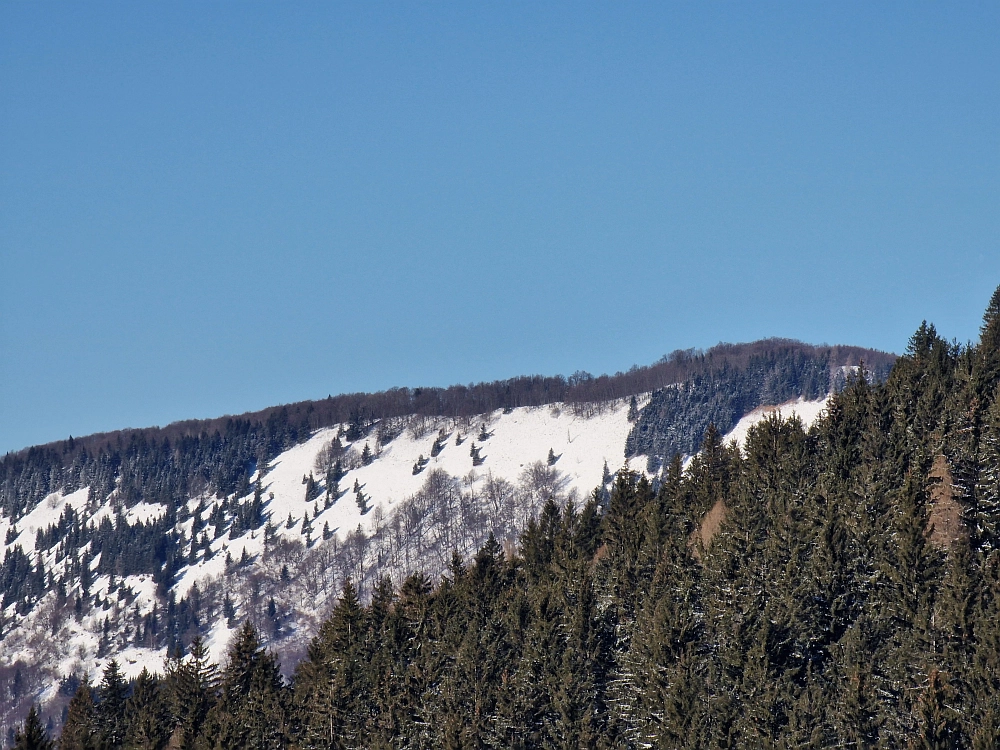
{"x": 807, "y": 411}
{"x": 145, "y": 512}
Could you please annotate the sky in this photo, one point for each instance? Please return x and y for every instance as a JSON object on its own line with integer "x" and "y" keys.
{"x": 208, "y": 208}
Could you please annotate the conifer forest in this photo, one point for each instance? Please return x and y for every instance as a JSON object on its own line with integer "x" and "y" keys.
{"x": 829, "y": 587}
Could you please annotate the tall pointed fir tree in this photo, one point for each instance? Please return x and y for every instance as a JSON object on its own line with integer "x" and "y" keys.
{"x": 32, "y": 736}
{"x": 985, "y": 511}
{"x": 329, "y": 684}
{"x": 988, "y": 362}
{"x": 191, "y": 690}
{"x": 79, "y": 731}
{"x": 147, "y": 719}
{"x": 113, "y": 693}
{"x": 252, "y": 710}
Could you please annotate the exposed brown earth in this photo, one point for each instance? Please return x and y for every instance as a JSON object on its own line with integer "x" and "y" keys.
{"x": 710, "y": 525}
{"x": 944, "y": 521}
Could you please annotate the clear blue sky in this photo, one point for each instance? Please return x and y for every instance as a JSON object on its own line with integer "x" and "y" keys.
{"x": 208, "y": 208}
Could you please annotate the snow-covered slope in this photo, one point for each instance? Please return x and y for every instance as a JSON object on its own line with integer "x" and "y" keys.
{"x": 285, "y": 575}
{"x": 807, "y": 412}
{"x": 581, "y": 444}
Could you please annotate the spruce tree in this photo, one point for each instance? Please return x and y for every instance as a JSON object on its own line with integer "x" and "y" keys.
{"x": 623, "y": 535}
{"x": 147, "y": 719}
{"x": 329, "y": 685}
{"x": 983, "y": 672}
{"x": 79, "y": 731}
{"x": 191, "y": 690}
{"x": 855, "y": 716}
{"x": 984, "y": 514}
{"x": 580, "y": 688}
{"x": 989, "y": 343}
{"x": 911, "y": 565}
{"x": 32, "y": 736}
{"x": 111, "y": 721}
{"x": 312, "y": 490}
{"x": 362, "y": 501}
{"x": 252, "y": 710}
{"x": 938, "y": 727}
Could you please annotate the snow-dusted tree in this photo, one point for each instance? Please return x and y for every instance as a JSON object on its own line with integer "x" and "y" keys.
{"x": 986, "y": 509}
{"x": 190, "y": 688}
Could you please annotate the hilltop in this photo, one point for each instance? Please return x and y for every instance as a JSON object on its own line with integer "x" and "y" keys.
{"x": 129, "y": 545}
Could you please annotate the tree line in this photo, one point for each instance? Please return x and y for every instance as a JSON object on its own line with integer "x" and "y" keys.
{"x": 221, "y": 453}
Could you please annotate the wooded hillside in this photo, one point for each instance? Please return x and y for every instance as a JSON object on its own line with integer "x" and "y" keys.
{"x": 827, "y": 611}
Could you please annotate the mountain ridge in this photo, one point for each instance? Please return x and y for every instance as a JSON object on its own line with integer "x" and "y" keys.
{"x": 133, "y": 543}
{"x": 538, "y": 390}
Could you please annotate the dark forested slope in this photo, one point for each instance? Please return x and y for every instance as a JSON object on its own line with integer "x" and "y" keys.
{"x": 848, "y": 597}
{"x": 728, "y": 387}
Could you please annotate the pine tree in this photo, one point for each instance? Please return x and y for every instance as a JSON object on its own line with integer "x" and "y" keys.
{"x": 190, "y": 688}
{"x": 329, "y": 685}
{"x": 938, "y": 725}
{"x": 332, "y": 487}
{"x": 623, "y": 535}
{"x": 32, "y": 736}
{"x": 681, "y": 717}
{"x": 438, "y": 445}
{"x": 989, "y": 333}
{"x": 362, "y": 502}
{"x": 580, "y": 688}
{"x": 856, "y": 720}
{"x": 312, "y": 489}
{"x": 528, "y": 716}
{"x": 252, "y": 709}
{"x": 79, "y": 731}
{"x": 983, "y": 672}
{"x": 956, "y": 604}
{"x": 911, "y": 564}
{"x": 113, "y": 692}
{"x": 985, "y": 511}
{"x": 146, "y": 714}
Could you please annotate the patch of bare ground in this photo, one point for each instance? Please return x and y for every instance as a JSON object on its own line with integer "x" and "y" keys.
{"x": 600, "y": 554}
{"x": 701, "y": 538}
{"x": 944, "y": 521}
